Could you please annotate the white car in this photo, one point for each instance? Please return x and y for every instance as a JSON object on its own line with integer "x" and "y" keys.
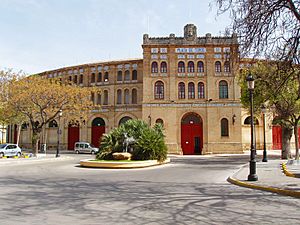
{"x": 85, "y": 147}
{"x": 10, "y": 150}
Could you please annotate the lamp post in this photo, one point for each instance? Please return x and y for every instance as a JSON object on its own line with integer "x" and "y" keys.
{"x": 264, "y": 110}
{"x": 58, "y": 133}
{"x": 252, "y": 176}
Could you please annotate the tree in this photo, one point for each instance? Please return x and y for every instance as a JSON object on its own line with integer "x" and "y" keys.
{"x": 269, "y": 29}
{"x": 40, "y": 100}
{"x": 276, "y": 85}
{"x": 266, "y": 27}
{"x": 7, "y": 76}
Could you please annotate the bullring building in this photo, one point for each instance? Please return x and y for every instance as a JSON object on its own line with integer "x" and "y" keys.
{"x": 187, "y": 83}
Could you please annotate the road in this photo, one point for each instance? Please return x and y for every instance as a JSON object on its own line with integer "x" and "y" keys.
{"x": 189, "y": 190}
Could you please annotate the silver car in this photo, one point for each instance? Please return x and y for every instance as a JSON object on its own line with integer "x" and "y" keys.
{"x": 85, "y": 147}
{"x": 10, "y": 150}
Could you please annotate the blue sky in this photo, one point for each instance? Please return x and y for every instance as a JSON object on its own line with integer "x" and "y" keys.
{"x": 39, "y": 35}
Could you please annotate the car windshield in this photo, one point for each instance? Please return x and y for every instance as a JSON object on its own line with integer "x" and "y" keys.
{"x": 93, "y": 146}
{"x": 3, "y": 145}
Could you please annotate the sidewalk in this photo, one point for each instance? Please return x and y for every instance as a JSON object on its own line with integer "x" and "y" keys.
{"x": 278, "y": 176}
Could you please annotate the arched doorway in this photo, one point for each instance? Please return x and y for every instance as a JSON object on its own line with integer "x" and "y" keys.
{"x": 98, "y": 129}
{"x": 124, "y": 119}
{"x": 191, "y": 134}
{"x": 73, "y": 134}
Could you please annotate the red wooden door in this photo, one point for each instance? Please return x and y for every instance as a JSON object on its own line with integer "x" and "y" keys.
{"x": 97, "y": 132}
{"x": 73, "y": 136}
{"x": 189, "y": 134}
{"x": 277, "y": 137}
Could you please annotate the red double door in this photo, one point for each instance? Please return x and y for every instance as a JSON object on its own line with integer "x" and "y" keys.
{"x": 191, "y": 138}
{"x": 97, "y": 132}
{"x": 73, "y": 136}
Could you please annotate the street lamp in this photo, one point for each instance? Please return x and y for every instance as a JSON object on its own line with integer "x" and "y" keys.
{"x": 58, "y": 133}
{"x": 264, "y": 110}
{"x": 252, "y": 176}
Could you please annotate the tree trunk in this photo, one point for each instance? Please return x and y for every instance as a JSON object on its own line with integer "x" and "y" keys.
{"x": 287, "y": 133}
{"x": 35, "y": 142}
{"x": 296, "y": 141}
{"x": 18, "y": 134}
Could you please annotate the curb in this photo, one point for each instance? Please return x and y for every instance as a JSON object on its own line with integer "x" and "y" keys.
{"x": 285, "y": 170}
{"x": 295, "y": 194}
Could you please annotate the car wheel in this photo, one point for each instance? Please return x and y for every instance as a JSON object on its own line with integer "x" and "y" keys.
{"x": 93, "y": 152}
{"x": 1, "y": 154}
{"x": 77, "y": 152}
{"x": 19, "y": 154}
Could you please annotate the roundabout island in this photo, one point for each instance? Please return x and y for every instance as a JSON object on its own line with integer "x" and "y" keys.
{"x": 121, "y": 164}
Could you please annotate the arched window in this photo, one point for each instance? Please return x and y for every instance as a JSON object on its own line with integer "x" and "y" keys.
{"x": 134, "y": 75}
{"x": 119, "y": 76}
{"x": 159, "y": 90}
{"x": 80, "y": 79}
{"x": 160, "y": 121}
{"x": 97, "y": 122}
{"x": 127, "y": 75}
{"x": 191, "y": 90}
{"x": 52, "y": 124}
{"x": 163, "y": 67}
{"x": 99, "y": 78}
{"x": 105, "y": 97}
{"x": 124, "y": 120}
{"x": 201, "y": 93}
{"x": 191, "y": 67}
{"x": 126, "y": 96}
{"x": 181, "y": 67}
{"x": 227, "y": 67}
{"x": 134, "y": 96}
{"x": 93, "y": 97}
{"x": 247, "y": 121}
{"x": 218, "y": 68}
{"x": 181, "y": 90}
{"x": 93, "y": 78}
{"x": 119, "y": 96}
{"x": 200, "y": 67}
{"x": 98, "y": 99}
{"x": 224, "y": 127}
{"x": 154, "y": 67}
{"x": 223, "y": 89}
{"x": 105, "y": 76}
{"x": 75, "y": 79}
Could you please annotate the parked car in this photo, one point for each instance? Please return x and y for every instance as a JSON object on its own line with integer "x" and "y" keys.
{"x": 85, "y": 147}
{"x": 10, "y": 150}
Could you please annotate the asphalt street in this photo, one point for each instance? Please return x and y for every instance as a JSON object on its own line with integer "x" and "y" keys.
{"x": 189, "y": 190}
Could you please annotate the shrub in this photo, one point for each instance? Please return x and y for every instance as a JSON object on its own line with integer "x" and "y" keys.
{"x": 149, "y": 142}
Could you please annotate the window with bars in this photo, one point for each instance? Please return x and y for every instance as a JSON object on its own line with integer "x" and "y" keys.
{"x": 227, "y": 67}
{"x": 181, "y": 67}
{"x": 218, "y": 67}
{"x": 99, "y": 77}
{"x": 224, "y": 128}
{"x": 223, "y": 89}
{"x": 119, "y": 97}
{"x": 126, "y": 96}
{"x": 134, "y": 96}
{"x": 191, "y": 67}
{"x": 201, "y": 93}
{"x": 181, "y": 90}
{"x": 154, "y": 67}
{"x": 163, "y": 67}
{"x": 200, "y": 67}
{"x": 159, "y": 90}
{"x": 191, "y": 90}
{"x": 134, "y": 75}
